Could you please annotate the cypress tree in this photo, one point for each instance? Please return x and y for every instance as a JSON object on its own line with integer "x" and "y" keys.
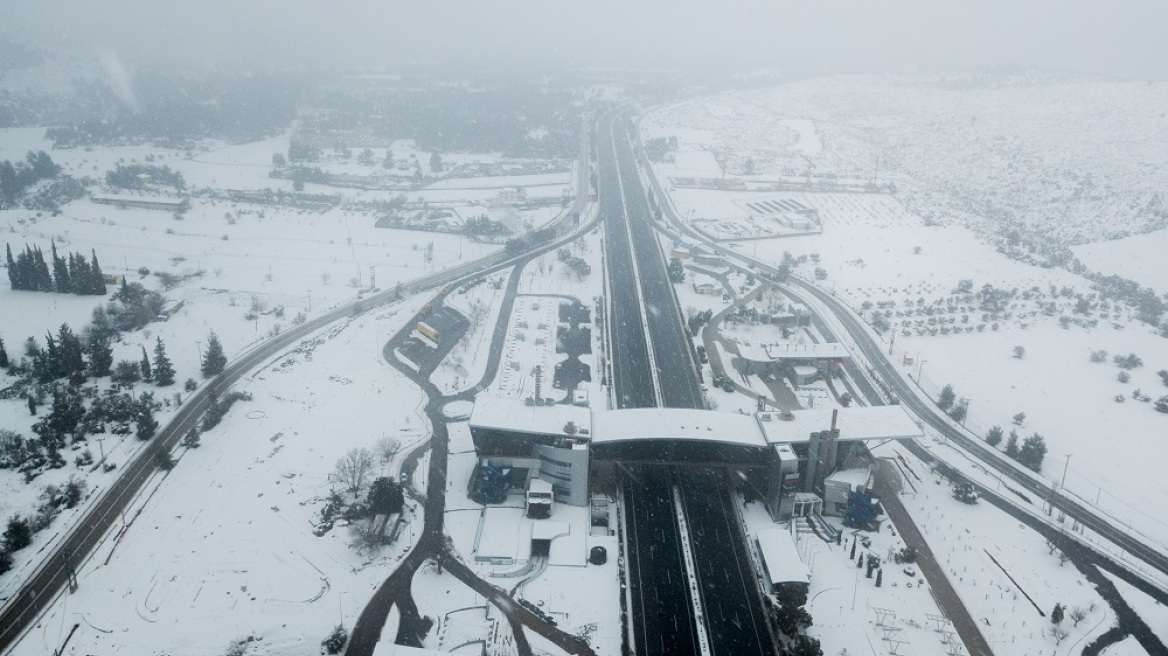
{"x": 84, "y": 275}
{"x": 77, "y": 274}
{"x": 21, "y": 279}
{"x": 147, "y": 374}
{"x": 25, "y": 271}
{"x": 51, "y": 367}
{"x": 95, "y": 274}
{"x": 147, "y": 424}
{"x": 70, "y": 353}
{"x": 44, "y": 279}
{"x": 215, "y": 360}
{"x": 163, "y": 368}
{"x": 101, "y": 354}
{"x": 13, "y": 274}
{"x": 61, "y": 272}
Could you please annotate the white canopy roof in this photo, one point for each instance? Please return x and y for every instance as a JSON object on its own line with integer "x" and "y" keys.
{"x": 780, "y": 557}
{"x": 675, "y": 423}
{"x": 859, "y": 423}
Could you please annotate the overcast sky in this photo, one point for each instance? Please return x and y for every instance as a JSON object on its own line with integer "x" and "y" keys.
{"x": 1119, "y": 37}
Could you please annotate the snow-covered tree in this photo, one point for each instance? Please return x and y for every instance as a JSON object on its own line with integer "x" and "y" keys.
{"x": 215, "y": 360}
{"x": 353, "y": 470}
{"x": 964, "y": 492}
{"x": 147, "y": 424}
{"x": 946, "y": 398}
{"x": 144, "y": 365}
{"x": 163, "y": 368}
{"x": 1032, "y": 452}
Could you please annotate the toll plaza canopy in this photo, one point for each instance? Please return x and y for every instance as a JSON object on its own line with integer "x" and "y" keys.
{"x": 676, "y": 435}
{"x": 879, "y": 422}
{"x": 785, "y": 351}
{"x": 679, "y": 434}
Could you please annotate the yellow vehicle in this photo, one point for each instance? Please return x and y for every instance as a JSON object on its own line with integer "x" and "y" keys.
{"x": 428, "y": 330}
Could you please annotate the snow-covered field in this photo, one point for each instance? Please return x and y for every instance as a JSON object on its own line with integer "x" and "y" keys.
{"x": 247, "y": 498}
{"x": 875, "y": 250}
{"x": 222, "y": 546}
{"x": 280, "y": 265}
{"x": 908, "y": 262}
{"x": 968, "y": 539}
{"x": 1065, "y": 154}
{"x": 1139, "y": 257}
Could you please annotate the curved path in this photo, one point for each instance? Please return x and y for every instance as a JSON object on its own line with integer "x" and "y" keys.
{"x": 1087, "y": 557}
{"x": 76, "y": 544}
{"x": 433, "y": 545}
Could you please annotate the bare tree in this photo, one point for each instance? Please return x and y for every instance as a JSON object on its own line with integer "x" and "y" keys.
{"x": 387, "y": 447}
{"x": 353, "y": 470}
{"x": 1059, "y": 634}
{"x": 1077, "y": 614}
{"x": 367, "y": 536}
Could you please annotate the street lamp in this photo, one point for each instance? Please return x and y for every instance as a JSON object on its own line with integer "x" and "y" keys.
{"x": 920, "y": 368}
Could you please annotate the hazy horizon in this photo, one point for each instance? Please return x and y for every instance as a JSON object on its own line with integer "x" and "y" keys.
{"x": 1120, "y": 39}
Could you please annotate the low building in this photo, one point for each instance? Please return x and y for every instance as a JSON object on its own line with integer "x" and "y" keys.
{"x": 704, "y": 284}
{"x": 142, "y": 202}
{"x": 550, "y": 441}
{"x": 512, "y": 196}
{"x": 701, "y": 255}
{"x": 780, "y": 559}
{"x": 804, "y": 373}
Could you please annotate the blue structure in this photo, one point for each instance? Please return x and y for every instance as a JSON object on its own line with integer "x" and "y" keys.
{"x": 492, "y": 484}
{"x": 863, "y": 511}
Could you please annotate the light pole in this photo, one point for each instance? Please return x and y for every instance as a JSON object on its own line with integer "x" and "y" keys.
{"x": 920, "y": 368}
{"x": 1066, "y": 466}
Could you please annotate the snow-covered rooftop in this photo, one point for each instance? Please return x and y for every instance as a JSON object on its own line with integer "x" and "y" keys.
{"x": 387, "y": 648}
{"x": 123, "y": 198}
{"x": 500, "y": 413}
{"x": 853, "y": 478}
{"x": 770, "y": 352}
{"x": 780, "y": 557}
{"x": 675, "y": 423}
{"x": 607, "y": 426}
{"x": 863, "y": 423}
